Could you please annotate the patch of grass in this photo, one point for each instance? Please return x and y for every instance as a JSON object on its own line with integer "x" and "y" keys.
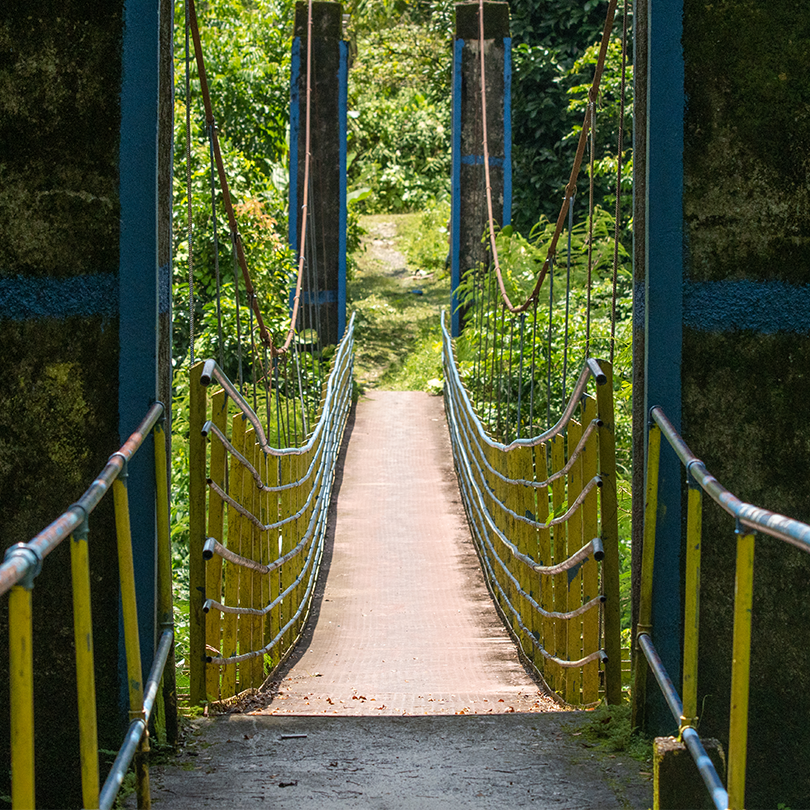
{"x": 398, "y": 301}
{"x": 609, "y": 727}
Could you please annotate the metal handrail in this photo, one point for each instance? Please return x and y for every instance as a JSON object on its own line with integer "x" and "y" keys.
{"x": 486, "y": 506}
{"x": 23, "y": 563}
{"x": 748, "y": 519}
{"x": 752, "y": 517}
{"x": 320, "y": 456}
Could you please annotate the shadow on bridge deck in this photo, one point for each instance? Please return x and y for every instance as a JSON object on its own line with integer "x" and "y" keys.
{"x": 402, "y": 625}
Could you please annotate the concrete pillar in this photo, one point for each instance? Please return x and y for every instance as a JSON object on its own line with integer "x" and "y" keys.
{"x": 323, "y": 301}
{"x": 727, "y": 310}
{"x": 78, "y": 330}
{"x": 469, "y": 203}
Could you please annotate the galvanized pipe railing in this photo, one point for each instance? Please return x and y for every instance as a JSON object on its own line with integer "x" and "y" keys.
{"x": 540, "y": 558}
{"x": 252, "y": 585}
{"x": 22, "y": 564}
{"x": 748, "y": 520}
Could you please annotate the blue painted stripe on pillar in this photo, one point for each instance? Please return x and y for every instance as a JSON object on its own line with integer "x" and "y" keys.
{"x": 320, "y": 297}
{"x": 455, "y": 210}
{"x": 343, "y": 106}
{"x": 664, "y": 321}
{"x": 766, "y": 307}
{"x": 507, "y": 131}
{"x": 25, "y": 298}
{"x": 138, "y": 276}
{"x": 478, "y": 160}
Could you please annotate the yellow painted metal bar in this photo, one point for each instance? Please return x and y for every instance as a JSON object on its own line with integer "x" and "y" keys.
{"x": 126, "y": 573}
{"x": 257, "y": 634}
{"x": 543, "y": 583}
{"x": 85, "y": 672}
{"x": 274, "y": 552}
{"x": 230, "y": 571}
{"x": 286, "y": 508}
{"x": 247, "y": 643}
{"x": 590, "y": 568}
{"x": 132, "y": 644}
{"x": 647, "y": 564}
{"x": 21, "y": 688}
{"x": 198, "y": 408}
{"x": 560, "y": 549}
{"x": 216, "y": 520}
{"x": 239, "y": 536}
{"x": 167, "y": 707}
{"x": 740, "y": 671}
{"x": 508, "y": 525}
{"x": 573, "y": 675}
{"x": 691, "y": 617}
{"x": 264, "y": 552}
{"x": 520, "y": 465}
{"x": 610, "y": 538}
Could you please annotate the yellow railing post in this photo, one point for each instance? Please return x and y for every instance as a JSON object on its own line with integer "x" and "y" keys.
{"x": 129, "y": 608}
{"x": 647, "y": 563}
{"x": 21, "y": 689}
{"x": 164, "y": 576}
{"x": 610, "y": 537}
{"x": 590, "y": 569}
{"x": 691, "y": 619}
{"x": 740, "y": 670}
{"x": 198, "y": 407}
{"x": 216, "y": 526}
{"x": 85, "y": 674}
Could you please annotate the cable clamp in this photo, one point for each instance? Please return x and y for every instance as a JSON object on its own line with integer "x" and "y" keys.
{"x": 30, "y": 558}
{"x": 124, "y": 474}
{"x": 82, "y": 530}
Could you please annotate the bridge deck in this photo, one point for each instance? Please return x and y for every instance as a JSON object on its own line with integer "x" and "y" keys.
{"x": 403, "y": 623}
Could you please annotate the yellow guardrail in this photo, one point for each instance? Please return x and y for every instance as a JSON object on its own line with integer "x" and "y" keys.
{"x": 543, "y": 514}
{"x": 749, "y": 520}
{"x": 23, "y": 563}
{"x": 257, "y": 526}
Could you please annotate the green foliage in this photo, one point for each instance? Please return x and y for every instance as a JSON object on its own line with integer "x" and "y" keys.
{"x": 610, "y": 727}
{"x": 399, "y": 119}
{"x": 553, "y": 58}
{"x": 497, "y": 395}
{"x": 247, "y": 63}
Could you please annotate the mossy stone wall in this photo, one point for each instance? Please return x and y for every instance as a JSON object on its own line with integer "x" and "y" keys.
{"x": 60, "y": 82}
{"x": 746, "y": 356}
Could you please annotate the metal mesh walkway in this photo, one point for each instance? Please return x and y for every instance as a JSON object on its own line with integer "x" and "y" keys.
{"x": 402, "y": 622}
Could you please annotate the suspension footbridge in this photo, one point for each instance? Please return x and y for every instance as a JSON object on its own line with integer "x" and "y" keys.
{"x": 393, "y": 598}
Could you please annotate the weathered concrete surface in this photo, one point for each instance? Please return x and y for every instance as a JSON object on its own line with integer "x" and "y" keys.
{"x": 745, "y": 387}
{"x": 408, "y": 763}
{"x": 403, "y": 622}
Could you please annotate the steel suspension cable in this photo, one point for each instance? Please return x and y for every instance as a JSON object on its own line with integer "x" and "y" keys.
{"x": 216, "y": 252}
{"x": 188, "y": 193}
{"x": 617, "y": 224}
{"x": 570, "y": 189}
{"x": 592, "y": 156}
{"x": 223, "y": 180}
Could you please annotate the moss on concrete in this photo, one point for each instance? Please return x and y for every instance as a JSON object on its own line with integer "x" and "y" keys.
{"x": 744, "y": 400}
{"x": 747, "y": 139}
{"x": 60, "y": 76}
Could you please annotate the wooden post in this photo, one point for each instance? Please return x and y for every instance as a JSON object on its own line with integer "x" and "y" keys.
{"x": 469, "y": 203}
{"x": 323, "y": 297}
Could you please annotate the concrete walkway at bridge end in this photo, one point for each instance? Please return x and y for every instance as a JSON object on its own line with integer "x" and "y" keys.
{"x": 406, "y": 691}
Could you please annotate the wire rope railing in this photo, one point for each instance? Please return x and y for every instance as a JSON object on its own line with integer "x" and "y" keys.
{"x": 543, "y": 516}
{"x": 24, "y": 561}
{"x": 749, "y": 520}
{"x": 257, "y": 528}
{"x": 289, "y": 367}
{"x": 511, "y": 381}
